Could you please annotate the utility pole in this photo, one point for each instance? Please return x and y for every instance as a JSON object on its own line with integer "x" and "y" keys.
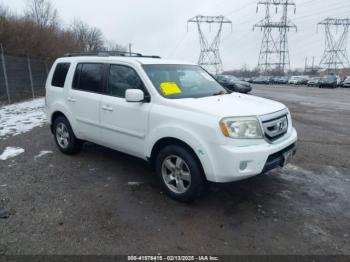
{"x": 335, "y": 55}
{"x": 5, "y": 74}
{"x": 210, "y": 54}
{"x": 305, "y": 68}
{"x": 310, "y": 69}
{"x": 274, "y": 52}
{"x": 130, "y": 48}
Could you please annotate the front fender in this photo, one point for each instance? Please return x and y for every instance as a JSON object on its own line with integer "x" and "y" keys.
{"x": 198, "y": 145}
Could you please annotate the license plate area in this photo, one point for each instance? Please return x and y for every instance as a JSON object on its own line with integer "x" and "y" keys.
{"x": 288, "y": 156}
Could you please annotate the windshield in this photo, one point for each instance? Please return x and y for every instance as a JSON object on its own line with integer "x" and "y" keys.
{"x": 183, "y": 81}
{"x": 233, "y": 78}
{"x": 329, "y": 78}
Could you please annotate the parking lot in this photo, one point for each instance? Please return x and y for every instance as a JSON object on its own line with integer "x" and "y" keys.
{"x": 104, "y": 202}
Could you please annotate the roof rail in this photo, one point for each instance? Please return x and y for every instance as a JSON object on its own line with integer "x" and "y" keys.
{"x": 111, "y": 53}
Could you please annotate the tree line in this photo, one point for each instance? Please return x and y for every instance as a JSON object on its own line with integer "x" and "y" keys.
{"x": 38, "y": 32}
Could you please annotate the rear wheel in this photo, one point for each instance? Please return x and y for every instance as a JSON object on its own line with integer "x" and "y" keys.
{"x": 180, "y": 173}
{"x": 65, "y": 139}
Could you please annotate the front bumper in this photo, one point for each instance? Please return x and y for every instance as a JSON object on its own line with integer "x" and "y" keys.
{"x": 237, "y": 163}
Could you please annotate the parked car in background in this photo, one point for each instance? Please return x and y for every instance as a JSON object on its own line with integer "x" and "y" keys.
{"x": 232, "y": 83}
{"x": 346, "y": 82}
{"x": 298, "y": 80}
{"x": 294, "y": 80}
{"x": 313, "y": 81}
{"x": 266, "y": 80}
{"x": 251, "y": 79}
{"x": 275, "y": 79}
{"x": 282, "y": 80}
{"x": 340, "y": 81}
{"x": 328, "y": 81}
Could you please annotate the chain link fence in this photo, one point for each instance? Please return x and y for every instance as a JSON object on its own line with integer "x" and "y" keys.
{"x": 22, "y": 78}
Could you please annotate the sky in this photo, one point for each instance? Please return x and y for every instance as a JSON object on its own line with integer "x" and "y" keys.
{"x": 159, "y": 27}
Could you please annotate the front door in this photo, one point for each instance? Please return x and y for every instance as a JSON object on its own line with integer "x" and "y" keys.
{"x": 124, "y": 125}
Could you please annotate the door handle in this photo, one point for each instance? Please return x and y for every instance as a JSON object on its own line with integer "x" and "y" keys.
{"x": 107, "y": 108}
{"x": 70, "y": 99}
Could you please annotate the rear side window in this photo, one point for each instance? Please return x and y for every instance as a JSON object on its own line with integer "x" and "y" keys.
{"x": 60, "y": 74}
{"x": 88, "y": 77}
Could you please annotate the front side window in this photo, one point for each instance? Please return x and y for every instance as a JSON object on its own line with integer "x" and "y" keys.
{"x": 88, "y": 77}
{"x": 60, "y": 74}
{"x": 183, "y": 81}
{"x": 122, "y": 78}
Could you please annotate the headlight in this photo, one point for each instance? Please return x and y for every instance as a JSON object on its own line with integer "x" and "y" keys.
{"x": 241, "y": 127}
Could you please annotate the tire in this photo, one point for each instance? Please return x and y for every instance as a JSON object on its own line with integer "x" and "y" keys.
{"x": 180, "y": 173}
{"x": 65, "y": 139}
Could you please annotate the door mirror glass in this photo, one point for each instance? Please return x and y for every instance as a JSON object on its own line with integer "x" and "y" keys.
{"x": 134, "y": 95}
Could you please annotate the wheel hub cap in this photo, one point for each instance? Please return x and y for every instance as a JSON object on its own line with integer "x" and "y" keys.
{"x": 176, "y": 174}
{"x": 62, "y": 135}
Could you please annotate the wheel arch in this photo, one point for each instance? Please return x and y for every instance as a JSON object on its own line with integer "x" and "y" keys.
{"x": 54, "y": 116}
{"x": 165, "y": 141}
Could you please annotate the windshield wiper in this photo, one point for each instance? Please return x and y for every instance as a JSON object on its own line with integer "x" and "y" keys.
{"x": 220, "y": 93}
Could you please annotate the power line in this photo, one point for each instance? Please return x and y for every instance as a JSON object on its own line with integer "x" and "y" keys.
{"x": 210, "y": 55}
{"x": 335, "y": 55}
{"x": 274, "y": 52}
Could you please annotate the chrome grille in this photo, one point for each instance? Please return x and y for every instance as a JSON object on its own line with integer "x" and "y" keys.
{"x": 276, "y": 127}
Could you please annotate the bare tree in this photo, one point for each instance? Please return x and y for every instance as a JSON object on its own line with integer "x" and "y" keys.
{"x": 38, "y": 33}
{"x": 4, "y": 12}
{"x": 113, "y": 46}
{"x": 90, "y": 38}
{"x": 42, "y": 13}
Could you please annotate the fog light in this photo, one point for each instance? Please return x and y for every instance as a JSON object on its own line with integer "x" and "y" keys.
{"x": 243, "y": 165}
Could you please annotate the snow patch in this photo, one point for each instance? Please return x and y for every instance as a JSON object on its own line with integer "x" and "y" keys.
{"x": 11, "y": 152}
{"x": 42, "y": 153}
{"x": 21, "y": 117}
{"x": 135, "y": 184}
{"x": 291, "y": 167}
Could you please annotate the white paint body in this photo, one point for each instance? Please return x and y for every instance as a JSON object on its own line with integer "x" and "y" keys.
{"x": 134, "y": 128}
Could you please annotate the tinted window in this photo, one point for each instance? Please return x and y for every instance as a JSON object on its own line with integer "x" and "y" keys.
{"x": 122, "y": 78}
{"x": 60, "y": 74}
{"x": 88, "y": 77}
{"x": 76, "y": 76}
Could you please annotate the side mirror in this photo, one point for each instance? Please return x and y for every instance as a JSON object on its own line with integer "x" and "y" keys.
{"x": 134, "y": 95}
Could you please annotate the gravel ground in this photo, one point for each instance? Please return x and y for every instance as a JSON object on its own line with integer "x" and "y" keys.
{"x": 104, "y": 202}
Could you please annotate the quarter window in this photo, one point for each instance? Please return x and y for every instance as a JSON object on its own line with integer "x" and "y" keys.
{"x": 88, "y": 77}
{"x": 122, "y": 78}
{"x": 60, "y": 74}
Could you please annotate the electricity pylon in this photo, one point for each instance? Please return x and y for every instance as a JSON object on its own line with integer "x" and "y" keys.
{"x": 335, "y": 54}
{"x": 274, "y": 52}
{"x": 210, "y": 54}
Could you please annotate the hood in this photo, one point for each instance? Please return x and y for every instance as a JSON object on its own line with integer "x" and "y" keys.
{"x": 234, "y": 104}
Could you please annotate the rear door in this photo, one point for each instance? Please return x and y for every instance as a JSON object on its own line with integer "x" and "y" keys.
{"x": 124, "y": 125}
{"x": 84, "y": 100}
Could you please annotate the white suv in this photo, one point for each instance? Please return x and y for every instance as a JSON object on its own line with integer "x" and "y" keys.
{"x": 173, "y": 114}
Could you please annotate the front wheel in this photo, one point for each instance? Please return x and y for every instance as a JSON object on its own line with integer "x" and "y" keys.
{"x": 180, "y": 173}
